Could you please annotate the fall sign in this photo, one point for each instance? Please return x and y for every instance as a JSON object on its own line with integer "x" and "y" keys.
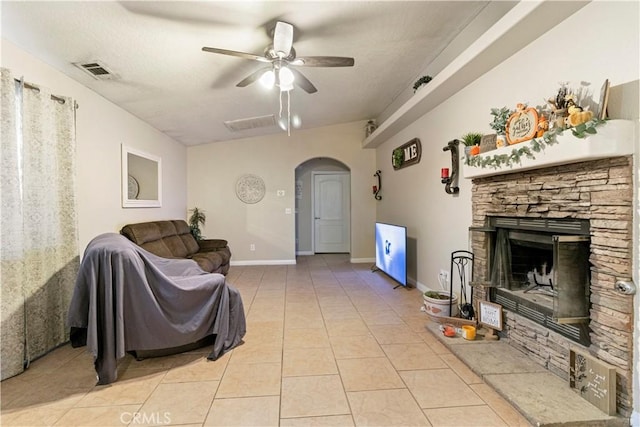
{"x": 522, "y": 125}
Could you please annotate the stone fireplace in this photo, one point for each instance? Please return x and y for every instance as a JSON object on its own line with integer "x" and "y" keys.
{"x": 577, "y": 218}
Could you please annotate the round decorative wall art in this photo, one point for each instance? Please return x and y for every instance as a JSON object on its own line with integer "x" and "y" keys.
{"x": 250, "y": 189}
{"x": 133, "y": 188}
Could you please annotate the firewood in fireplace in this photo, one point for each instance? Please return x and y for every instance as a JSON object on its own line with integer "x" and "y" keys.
{"x": 542, "y": 279}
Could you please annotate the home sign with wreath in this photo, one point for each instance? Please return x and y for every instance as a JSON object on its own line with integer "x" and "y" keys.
{"x": 407, "y": 154}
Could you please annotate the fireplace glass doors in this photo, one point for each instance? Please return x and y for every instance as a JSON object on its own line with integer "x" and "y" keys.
{"x": 540, "y": 269}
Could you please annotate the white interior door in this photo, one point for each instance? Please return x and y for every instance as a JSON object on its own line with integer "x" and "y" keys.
{"x": 331, "y": 197}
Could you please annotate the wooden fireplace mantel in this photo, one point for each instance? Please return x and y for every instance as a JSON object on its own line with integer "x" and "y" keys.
{"x": 615, "y": 138}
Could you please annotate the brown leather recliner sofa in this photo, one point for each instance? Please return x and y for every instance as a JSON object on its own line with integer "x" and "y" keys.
{"x": 173, "y": 239}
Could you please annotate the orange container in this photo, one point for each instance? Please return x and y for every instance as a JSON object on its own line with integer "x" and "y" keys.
{"x": 469, "y": 332}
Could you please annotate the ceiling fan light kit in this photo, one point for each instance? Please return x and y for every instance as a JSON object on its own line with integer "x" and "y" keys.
{"x": 268, "y": 79}
{"x": 286, "y": 78}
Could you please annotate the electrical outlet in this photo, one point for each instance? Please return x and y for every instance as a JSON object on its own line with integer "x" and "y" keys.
{"x": 252, "y": 247}
{"x": 444, "y": 276}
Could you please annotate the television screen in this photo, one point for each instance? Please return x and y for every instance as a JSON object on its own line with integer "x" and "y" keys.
{"x": 391, "y": 251}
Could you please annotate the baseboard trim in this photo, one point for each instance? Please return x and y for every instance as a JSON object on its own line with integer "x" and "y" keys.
{"x": 305, "y": 253}
{"x": 264, "y": 262}
{"x": 422, "y": 287}
{"x": 293, "y": 261}
{"x": 425, "y": 288}
{"x": 362, "y": 260}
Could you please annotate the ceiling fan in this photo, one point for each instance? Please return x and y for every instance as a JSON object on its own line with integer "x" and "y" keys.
{"x": 282, "y": 58}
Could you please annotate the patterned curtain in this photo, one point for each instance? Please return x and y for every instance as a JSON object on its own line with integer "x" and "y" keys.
{"x": 38, "y": 229}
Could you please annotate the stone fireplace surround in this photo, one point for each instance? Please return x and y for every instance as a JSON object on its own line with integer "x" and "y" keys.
{"x": 600, "y": 191}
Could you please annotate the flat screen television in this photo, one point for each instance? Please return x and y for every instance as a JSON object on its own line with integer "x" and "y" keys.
{"x": 391, "y": 251}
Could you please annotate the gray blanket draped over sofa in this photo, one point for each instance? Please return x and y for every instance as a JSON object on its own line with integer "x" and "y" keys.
{"x": 127, "y": 299}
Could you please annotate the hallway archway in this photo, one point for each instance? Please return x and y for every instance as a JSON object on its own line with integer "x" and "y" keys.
{"x": 305, "y": 218}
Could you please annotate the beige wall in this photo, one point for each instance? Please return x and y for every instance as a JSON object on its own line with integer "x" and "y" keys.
{"x": 101, "y": 129}
{"x": 213, "y": 170}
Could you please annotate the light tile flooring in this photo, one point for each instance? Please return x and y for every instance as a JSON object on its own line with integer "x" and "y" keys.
{"x": 328, "y": 343}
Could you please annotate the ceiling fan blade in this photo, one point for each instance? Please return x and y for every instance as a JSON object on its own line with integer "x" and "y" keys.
{"x": 323, "y": 61}
{"x": 236, "y": 53}
{"x": 252, "y": 77}
{"x": 282, "y": 39}
{"x": 303, "y": 82}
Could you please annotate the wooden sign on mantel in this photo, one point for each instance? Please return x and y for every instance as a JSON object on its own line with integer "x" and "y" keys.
{"x": 594, "y": 380}
{"x": 407, "y": 154}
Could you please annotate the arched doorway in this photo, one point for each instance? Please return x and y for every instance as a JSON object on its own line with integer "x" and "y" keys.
{"x": 322, "y": 207}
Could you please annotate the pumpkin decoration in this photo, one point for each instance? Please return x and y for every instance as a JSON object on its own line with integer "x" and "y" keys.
{"x": 543, "y": 126}
{"x": 475, "y": 150}
{"x": 578, "y": 117}
{"x": 522, "y": 124}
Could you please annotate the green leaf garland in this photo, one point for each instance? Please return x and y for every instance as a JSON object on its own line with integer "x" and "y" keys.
{"x": 536, "y": 145}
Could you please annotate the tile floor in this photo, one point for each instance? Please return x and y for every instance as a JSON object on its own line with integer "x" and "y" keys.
{"x": 328, "y": 343}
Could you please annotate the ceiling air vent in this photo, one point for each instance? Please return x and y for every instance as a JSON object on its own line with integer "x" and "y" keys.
{"x": 96, "y": 70}
{"x": 250, "y": 123}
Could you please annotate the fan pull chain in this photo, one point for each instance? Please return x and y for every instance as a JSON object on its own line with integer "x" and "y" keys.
{"x": 288, "y": 111}
{"x": 288, "y": 114}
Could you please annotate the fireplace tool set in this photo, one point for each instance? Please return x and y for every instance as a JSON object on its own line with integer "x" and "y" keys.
{"x": 460, "y": 275}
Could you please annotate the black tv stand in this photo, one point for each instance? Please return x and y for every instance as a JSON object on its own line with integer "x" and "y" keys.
{"x": 374, "y": 269}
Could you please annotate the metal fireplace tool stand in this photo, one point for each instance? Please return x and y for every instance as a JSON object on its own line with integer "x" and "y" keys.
{"x": 462, "y": 265}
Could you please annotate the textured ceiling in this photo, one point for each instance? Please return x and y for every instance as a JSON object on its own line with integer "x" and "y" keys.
{"x": 165, "y": 79}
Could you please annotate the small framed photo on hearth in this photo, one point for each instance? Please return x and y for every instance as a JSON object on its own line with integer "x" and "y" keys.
{"x": 490, "y": 314}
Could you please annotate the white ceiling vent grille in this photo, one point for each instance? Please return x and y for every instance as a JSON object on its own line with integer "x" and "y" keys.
{"x": 250, "y": 123}
{"x": 96, "y": 70}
